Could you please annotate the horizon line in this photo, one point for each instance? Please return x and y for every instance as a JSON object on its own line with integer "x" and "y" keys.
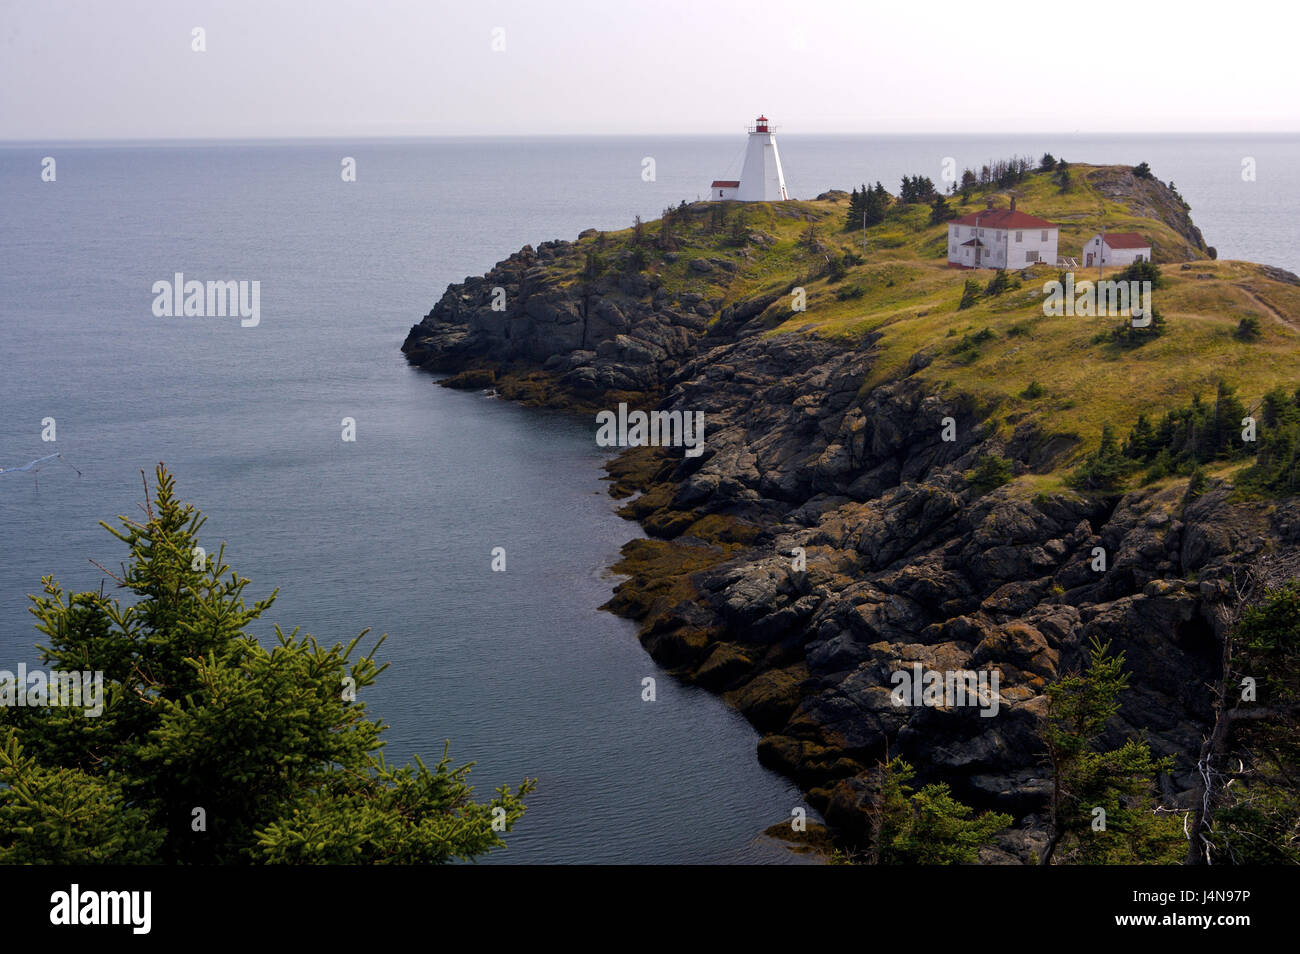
{"x": 362, "y": 137}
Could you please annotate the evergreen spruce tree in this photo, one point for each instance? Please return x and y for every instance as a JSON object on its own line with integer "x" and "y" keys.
{"x": 970, "y": 294}
{"x": 998, "y": 284}
{"x": 969, "y": 182}
{"x": 940, "y": 211}
{"x": 212, "y": 748}
{"x": 1140, "y": 444}
{"x": 1106, "y": 468}
{"x": 857, "y": 205}
{"x": 1277, "y": 456}
{"x": 875, "y": 204}
{"x": 925, "y": 827}
{"x": 1086, "y": 777}
{"x": 1256, "y": 761}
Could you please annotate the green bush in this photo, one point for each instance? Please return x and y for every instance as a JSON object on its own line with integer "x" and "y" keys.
{"x": 926, "y": 827}
{"x": 1106, "y": 468}
{"x": 967, "y": 349}
{"x": 991, "y": 471}
{"x": 998, "y": 283}
{"x": 1141, "y": 272}
{"x": 1127, "y": 335}
{"x": 969, "y": 294}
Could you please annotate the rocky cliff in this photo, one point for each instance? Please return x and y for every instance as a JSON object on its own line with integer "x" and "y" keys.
{"x": 830, "y": 535}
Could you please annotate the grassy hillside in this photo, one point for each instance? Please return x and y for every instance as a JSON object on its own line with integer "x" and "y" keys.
{"x": 904, "y": 290}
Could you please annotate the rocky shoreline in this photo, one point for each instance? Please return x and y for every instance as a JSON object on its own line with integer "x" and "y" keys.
{"x": 906, "y": 562}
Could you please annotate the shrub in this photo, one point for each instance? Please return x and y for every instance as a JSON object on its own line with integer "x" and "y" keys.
{"x": 594, "y": 265}
{"x": 836, "y": 269}
{"x": 940, "y": 211}
{"x": 971, "y": 343}
{"x": 1141, "y": 272}
{"x": 969, "y": 294}
{"x": 998, "y": 283}
{"x": 1127, "y": 335}
{"x": 925, "y": 827}
{"x": 1106, "y": 468}
{"x": 990, "y": 471}
{"x": 1248, "y": 329}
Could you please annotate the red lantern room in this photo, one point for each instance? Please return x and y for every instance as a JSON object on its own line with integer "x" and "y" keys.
{"x": 761, "y": 125}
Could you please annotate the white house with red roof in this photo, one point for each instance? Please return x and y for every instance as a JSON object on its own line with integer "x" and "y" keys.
{"x": 761, "y": 178}
{"x": 1116, "y": 248}
{"x": 1001, "y": 238}
{"x": 724, "y": 189}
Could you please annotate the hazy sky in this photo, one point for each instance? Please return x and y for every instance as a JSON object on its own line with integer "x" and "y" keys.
{"x": 126, "y": 69}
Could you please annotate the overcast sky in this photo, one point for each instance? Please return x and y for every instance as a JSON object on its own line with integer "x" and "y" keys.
{"x": 126, "y": 69}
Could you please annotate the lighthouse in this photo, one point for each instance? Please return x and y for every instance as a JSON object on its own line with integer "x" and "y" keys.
{"x": 761, "y": 178}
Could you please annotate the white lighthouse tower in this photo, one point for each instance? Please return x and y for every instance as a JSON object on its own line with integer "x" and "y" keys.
{"x": 761, "y": 178}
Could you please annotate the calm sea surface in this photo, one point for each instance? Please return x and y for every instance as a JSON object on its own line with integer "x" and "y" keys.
{"x": 395, "y": 531}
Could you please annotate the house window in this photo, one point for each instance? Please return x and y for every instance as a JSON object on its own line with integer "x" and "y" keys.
{"x": 1020, "y": 237}
{"x": 1044, "y": 238}
{"x": 981, "y": 233}
{"x": 1031, "y": 255}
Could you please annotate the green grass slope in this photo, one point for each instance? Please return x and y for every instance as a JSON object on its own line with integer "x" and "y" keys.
{"x": 904, "y": 290}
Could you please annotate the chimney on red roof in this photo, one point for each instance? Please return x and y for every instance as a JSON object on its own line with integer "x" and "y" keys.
{"x": 1013, "y": 203}
{"x": 988, "y": 203}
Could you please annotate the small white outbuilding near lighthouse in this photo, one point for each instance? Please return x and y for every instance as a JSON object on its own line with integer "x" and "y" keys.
{"x": 761, "y": 178}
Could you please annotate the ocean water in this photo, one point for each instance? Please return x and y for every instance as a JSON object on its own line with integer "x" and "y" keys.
{"x": 395, "y": 530}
